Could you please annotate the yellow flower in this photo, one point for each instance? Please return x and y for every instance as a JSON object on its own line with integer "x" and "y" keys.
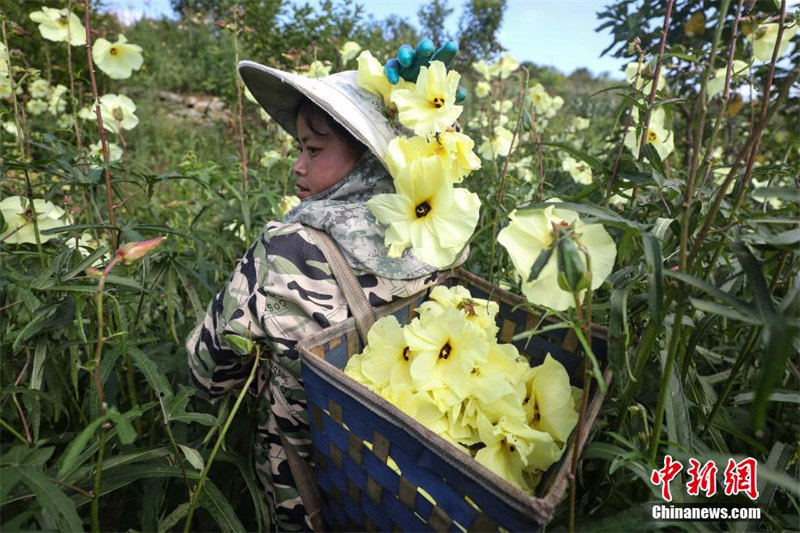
{"x": 551, "y": 406}
{"x": 117, "y": 111}
{"x": 55, "y": 25}
{"x": 57, "y": 101}
{"x": 497, "y": 146}
{"x": 717, "y": 83}
{"x": 18, "y": 218}
{"x": 446, "y": 350}
{"x": 287, "y": 203}
{"x": 580, "y": 123}
{"x": 427, "y": 214}
{"x": 496, "y": 386}
{"x": 371, "y": 78}
{"x": 531, "y": 231}
{"x": 482, "y": 68}
{"x": 482, "y": 89}
{"x": 114, "y": 152}
{"x": 387, "y": 355}
{"x": 452, "y": 150}
{"x": 506, "y": 65}
{"x": 657, "y": 134}
{"x": 640, "y": 76}
{"x": 118, "y": 60}
{"x": 318, "y": 69}
{"x": 478, "y": 312}
{"x": 540, "y": 99}
{"x": 348, "y": 51}
{"x": 270, "y": 157}
{"x": 579, "y": 170}
{"x": 764, "y": 37}
{"x": 429, "y": 107}
{"x": 39, "y": 88}
{"x": 36, "y": 107}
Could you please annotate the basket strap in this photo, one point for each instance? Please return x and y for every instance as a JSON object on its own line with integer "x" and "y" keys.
{"x": 359, "y": 306}
{"x": 306, "y": 483}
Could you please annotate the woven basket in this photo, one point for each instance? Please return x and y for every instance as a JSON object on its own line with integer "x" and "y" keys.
{"x": 362, "y": 492}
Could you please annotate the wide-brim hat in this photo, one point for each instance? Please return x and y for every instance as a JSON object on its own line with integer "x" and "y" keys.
{"x": 358, "y": 111}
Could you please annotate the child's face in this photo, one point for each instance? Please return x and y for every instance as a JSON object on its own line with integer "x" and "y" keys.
{"x": 324, "y": 159}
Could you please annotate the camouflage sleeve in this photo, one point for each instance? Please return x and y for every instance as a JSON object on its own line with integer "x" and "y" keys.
{"x": 281, "y": 291}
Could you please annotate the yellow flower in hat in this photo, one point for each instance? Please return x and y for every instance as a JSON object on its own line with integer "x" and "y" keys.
{"x": 531, "y": 231}
{"x": 429, "y": 107}
{"x": 452, "y": 149}
{"x": 117, "y": 60}
{"x": 428, "y": 214}
{"x": 60, "y": 25}
{"x": 371, "y": 77}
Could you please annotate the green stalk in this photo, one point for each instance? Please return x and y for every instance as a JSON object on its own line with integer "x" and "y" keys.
{"x": 737, "y": 365}
{"x": 648, "y": 341}
{"x": 220, "y": 439}
{"x": 666, "y": 375}
{"x": 13, "y": 431}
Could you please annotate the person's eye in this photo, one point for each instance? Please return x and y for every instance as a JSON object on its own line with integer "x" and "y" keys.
{"x": 313, "y": 150}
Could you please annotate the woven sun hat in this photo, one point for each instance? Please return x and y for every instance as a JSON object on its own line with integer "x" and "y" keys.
{"x": 358, "y": 111}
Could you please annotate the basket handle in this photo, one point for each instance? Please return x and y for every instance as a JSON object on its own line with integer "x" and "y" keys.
{"x": 359, "y": 306}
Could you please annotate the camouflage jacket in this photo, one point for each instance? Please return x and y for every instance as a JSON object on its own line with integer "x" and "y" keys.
{"x": 281, "y": 291}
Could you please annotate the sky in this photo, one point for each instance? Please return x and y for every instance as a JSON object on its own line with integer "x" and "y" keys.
{"x": 557, "y": 33}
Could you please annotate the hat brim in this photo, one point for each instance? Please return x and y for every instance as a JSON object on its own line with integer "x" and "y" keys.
{"x": 280, "y": 94}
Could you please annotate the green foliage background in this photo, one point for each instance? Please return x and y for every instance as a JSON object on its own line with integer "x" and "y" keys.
{"x": 702, "y": 308}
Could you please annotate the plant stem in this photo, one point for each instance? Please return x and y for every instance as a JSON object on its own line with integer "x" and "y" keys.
{"x": 666, "y": 375}
{"x": 513, "y": 138}
{"x": 239, "y": 114}
{"x": 220, "y": 439}
{"x": 698, "y": 140}
{"x": 723, "y": 397}
{"x": 764, "y": 108}
{"x": 72, "y": 99}
{"x": 19, "y": 113}
{"x": 103, "y": 140}
{"x": 645, "y": 347}
{"x": 654, "y": 87}
{"x": 14, "y": 432}
{"x": 98, "y": 474}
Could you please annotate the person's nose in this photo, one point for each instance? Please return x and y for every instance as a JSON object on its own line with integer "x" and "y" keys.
{"x": 300, "y": 166}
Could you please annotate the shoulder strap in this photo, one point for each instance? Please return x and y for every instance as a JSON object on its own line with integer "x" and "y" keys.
{"x": 306, "y": 482}
{"x": 359, "y": 306}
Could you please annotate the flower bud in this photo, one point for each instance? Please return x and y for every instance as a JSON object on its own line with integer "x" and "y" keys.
{"x": 572, "y": 274}
{"x": 133, "y": 251}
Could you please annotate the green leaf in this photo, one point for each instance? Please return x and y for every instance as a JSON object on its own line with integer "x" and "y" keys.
{"x": 655, "y": 282}
{"x": 654, "y": 159}
{"x": 87, "y": 261}
{"x": 52, "y": 498}
{"x": 171, "y": 520}
{"x": 220, "y": 508}
{"x": 193, "y": 456}
{"x": 540, "y": 263}
{"x": 174, "y": 409}
{"x": 718, "y": 309}
{"x": 149, "y": 369}
{"x": 785, "y": 396}
{"x": 789, "y": 194}
{"x": 617, "y": 335}
{"x": 600, "y": 214}
{"x": 766, "y": 309}
{"x": 780, "y": 336}
{"x": 125, "y": 430}
{"x": 70, "y": 459}
{"x": 741, "y": 306}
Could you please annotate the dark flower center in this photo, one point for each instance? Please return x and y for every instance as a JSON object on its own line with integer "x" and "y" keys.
{"x": 444, "y": 353}
{"x": 422, "y": 209}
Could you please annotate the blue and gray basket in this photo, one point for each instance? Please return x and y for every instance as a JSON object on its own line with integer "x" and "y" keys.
{"x": 360, "y": 440}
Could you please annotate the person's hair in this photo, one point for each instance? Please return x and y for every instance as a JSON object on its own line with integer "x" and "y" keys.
{"x": 308, "y": 110}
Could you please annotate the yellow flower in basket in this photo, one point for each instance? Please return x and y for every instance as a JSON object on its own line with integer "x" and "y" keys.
{"x": 478, "y": 312}
{"x": 447, "y": 349}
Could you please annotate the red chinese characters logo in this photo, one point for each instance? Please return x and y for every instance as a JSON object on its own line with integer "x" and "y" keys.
{"x": 739, "y": 477}
{"x": 664, "y": 475}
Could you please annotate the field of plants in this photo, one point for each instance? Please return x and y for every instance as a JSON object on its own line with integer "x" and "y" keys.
{"x": 135, "y": 170}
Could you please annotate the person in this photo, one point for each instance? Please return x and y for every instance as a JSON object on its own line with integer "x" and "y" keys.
{"x": 283, "y": 290}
